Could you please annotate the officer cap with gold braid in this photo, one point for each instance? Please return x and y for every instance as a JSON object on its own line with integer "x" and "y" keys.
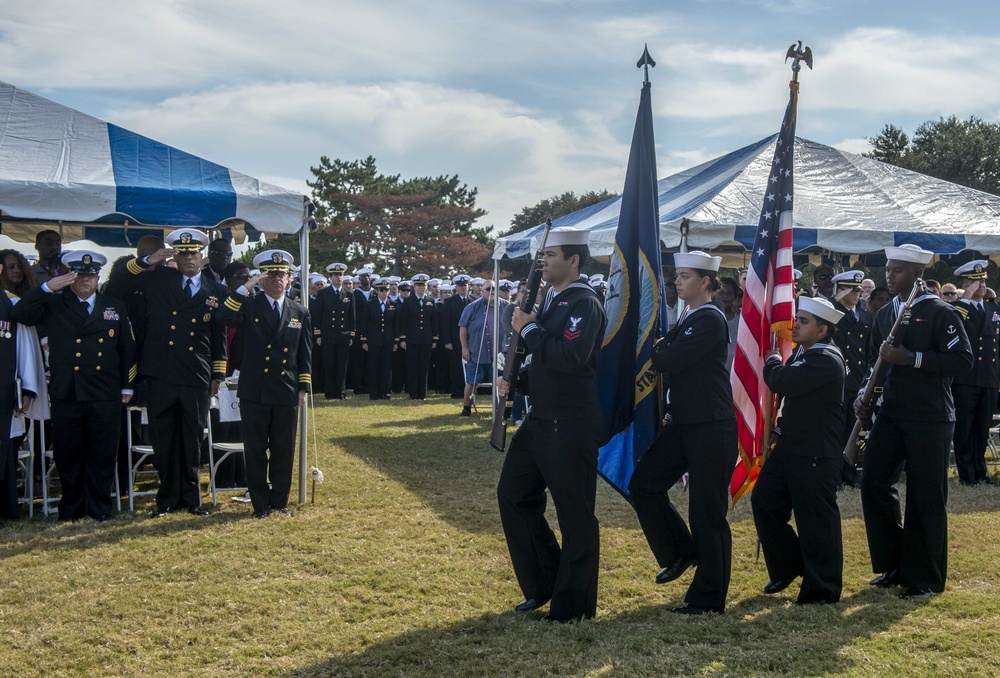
{"x": 974, "y": 270}
{"x": 187, "y": 240}
{"x": 849, "y": 279}
{"x": 84, "y": 261}
{"x": 274, "y": 260}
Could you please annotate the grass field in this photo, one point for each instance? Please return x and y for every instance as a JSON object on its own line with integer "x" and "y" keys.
{"x": 400, "y": 569}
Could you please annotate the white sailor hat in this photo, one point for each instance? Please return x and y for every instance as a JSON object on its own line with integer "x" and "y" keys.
{"x": 83, "y": 261}
{"x": 434, "y": 282}
{"x": 273, "y": 260}
{"x": 187, "y": 240}
{"x": 597, "y": 277}
{"x": 821, "y": 308}
{"x": 796, "y": 274}
{"x": 355, "y": 279}
{"x": 974, "y": 270}
{"x": 461, "y": 279}
{"x": 697, "y": 259}
{"x": 447, "y": 281}
{"x": 316, "y": 277}
{"x": 849, "y": 278}
{"x": 599, "y": 285}
{"x": 478, "y": 281}
{"x": 909, "y": 253}
{"x": 394, "y": 279}
{"x": 567, "y": 236}
{"x": 421, "y": 278}
{"x": 445, "y": 287}
{"x": 364, "y": 270}
{"x": 336, "y": 268}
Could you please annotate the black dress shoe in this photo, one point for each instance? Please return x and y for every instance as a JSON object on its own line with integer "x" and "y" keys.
{"x": 772, "y": 587}
{"x": 259, "y": 515}
{"x": 158, "y": 513}
{"x": 529, "y": 604}
{"x": 915, "y": 594}
{"x": 283, "y": 511}
{"x": 885, "y": 580}
{"x": 676, "y": 570}
{"x": 688, "y": 608}
{"x": 197, "y": 511}
{"x": 103, "y": 518}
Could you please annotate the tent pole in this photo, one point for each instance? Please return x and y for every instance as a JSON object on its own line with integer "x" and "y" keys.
{"x": 304, "y": 410}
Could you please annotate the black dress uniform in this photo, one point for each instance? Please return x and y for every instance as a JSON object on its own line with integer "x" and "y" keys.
{"x": 451, "y": 313}
{"x": 8, "y": 397}
{"x": 359, "y": 358}
{"x": 914, "y": 429}
{"x": 556, "y": 447}
{"x": 440, "y": 355}
{"x": 701, "y": 441}
{"x": 975, "y": 391}
{"x": 92, "y": 357}
{"x": 334, "y": 319}
{"x": 419, "y": 329}
{"x": 397, "y": 380}
{"x": 379, "y": 330}
{"x": 277, "y": 353}
{"x": 802, "y": 474}
{"x": 184, "y": 351}
{"x": 852, "y": 339}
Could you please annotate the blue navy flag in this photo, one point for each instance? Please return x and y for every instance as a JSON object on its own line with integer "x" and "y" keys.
{"x": 636, "y": 309}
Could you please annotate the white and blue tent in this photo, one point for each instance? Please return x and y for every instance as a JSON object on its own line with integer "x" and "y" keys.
{"x": 844, "y": 203}
{"x": 95, "y": 180}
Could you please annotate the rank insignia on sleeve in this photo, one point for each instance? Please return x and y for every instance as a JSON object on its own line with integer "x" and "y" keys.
{"x": 573, "y": 333}
{"x": 110, "y": 314}
{"x": 951, "y": 329}
{"x": 294, "y": 324}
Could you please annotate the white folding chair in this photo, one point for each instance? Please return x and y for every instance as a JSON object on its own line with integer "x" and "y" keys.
{"x": 26, "y": 470}
{"x": 137, "y": 456}
{"x": 48, "y": 471}
{"x": 225, "y": 450}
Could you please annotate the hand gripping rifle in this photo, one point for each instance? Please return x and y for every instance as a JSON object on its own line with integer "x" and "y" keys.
{"x": 873, "y": 389}
{"x": 515, "y": 351}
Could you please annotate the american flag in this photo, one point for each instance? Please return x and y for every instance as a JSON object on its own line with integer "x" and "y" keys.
{"x": 768, "y": 307}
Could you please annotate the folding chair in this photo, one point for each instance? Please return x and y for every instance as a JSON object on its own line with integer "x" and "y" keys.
{"x": 138, "y": 455}
{"x": 225, "y": 451}
{"x": 48, "y": 471}
{"x": 26, "y": 470}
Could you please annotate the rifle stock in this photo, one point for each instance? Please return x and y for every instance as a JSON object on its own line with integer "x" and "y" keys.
{"x": 873, "y": 388}
{"x": 515, "y": 352}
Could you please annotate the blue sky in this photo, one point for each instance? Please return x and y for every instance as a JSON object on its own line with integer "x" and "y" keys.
{"x": 521, "y": 99}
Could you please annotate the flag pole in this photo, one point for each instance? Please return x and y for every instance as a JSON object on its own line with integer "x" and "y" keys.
{"x": 797, "y": 55}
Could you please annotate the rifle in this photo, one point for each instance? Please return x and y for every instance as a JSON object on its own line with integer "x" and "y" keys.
{"x": 515, "y": 351}
{"x": 873, "y": 389}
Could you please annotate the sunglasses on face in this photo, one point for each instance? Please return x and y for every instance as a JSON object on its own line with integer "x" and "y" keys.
{"x": 241, "y": 276}
{"x": 824, "y": 277}
{"x": 950, "y": 294}
{"x": 221, "y": 253}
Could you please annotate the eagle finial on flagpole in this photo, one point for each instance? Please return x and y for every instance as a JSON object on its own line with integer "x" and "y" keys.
{"x": 798, "y": 55}
{"x": 645, "y": 61}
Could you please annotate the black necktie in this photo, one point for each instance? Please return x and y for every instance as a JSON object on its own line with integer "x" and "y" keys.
{"x": 86, "y": 307}
{"x": 277, "y": 311}
{"x": 187, "y": 289}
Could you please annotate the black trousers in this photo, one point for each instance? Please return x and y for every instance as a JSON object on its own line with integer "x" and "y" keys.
{"x": 399, "y": 371}
{"x": 918, "y": 545}
{"x": 418, "y": 362}
{"x": 318, "y": 369}
{"x": 561, "y": 456}
{"x": 359, "y": 369}
{"x": 456, "y": 373}
{"x": 807, "y": 486}
{"x": 974, "y": 408}
{"x": 85, "y": 449}
{"x": 849, "y": 474}
{"x": 177, "y": 419}
{"x": 379, "y": 370}
{"x": 269, "y": 428}
{"x": 9, "y": 506}
{"x": 335, "y": 358}
{"x": 707, "y": 452}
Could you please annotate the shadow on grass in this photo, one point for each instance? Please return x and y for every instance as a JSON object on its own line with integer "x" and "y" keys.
{"x": 783, "y": 639}
{"x": 29, "y": 536}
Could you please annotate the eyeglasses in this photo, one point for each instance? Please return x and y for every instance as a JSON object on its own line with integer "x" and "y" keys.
{"x": 221, "y": 253}
{"x": 949, "y": 294}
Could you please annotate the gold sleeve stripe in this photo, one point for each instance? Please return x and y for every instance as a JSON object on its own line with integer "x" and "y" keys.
{"x": 133, "y": 372}
{"x": 133, "y": 267}
{"x": 233, "y": 305}
{"x": 305, "y": 378}
{"x": 317, "y": 331}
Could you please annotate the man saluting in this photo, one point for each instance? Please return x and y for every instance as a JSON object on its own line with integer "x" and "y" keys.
{"x": 274, "y": 378}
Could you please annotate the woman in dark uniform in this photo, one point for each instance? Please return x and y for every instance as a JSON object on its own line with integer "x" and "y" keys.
{"x": 699, "y": 439}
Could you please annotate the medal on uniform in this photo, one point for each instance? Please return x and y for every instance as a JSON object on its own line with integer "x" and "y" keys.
{"x": 208, "y": 317}
{"x": 111, "y": 333}
{"x": 213, "y": 302}
{"x": 294, "y": 324}
{"x": 110, "y": 314}
{"x": 5, "y": 329}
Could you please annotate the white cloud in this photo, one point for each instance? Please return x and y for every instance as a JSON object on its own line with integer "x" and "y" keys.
{"x": 857, "y": 146}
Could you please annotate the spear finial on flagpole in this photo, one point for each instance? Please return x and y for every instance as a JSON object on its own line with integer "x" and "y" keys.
{"x": 645, "y": 61}
{"x": 798, "y": 55}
